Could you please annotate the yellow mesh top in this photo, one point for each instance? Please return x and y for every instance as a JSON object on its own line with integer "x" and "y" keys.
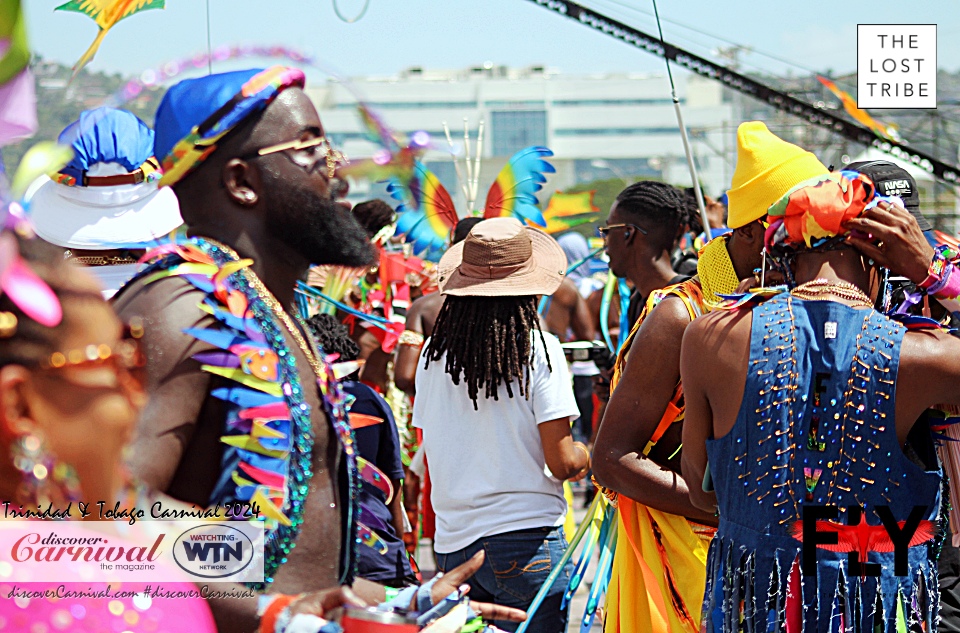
{"x": 715, "y": 270}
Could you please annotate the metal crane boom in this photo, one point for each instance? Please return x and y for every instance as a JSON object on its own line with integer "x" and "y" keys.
{"x": 734, "y": 80}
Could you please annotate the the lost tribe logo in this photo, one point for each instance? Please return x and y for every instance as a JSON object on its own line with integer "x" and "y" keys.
{"x": 858, "y": 538}
{"x": 213, "y": 551}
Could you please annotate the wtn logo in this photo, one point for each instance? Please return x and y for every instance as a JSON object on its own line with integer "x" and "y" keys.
{"x": 214, "y": 550}
{"x": 221, "y": 551}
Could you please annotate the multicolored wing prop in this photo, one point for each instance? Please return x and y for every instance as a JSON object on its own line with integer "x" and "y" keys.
{"x": 567, "y": 210}
{"x": 426, "y": 215}
{"x": 377, "y": 130}
{"x": 513, "y": 194}
{"x": 106, "y": 13}
{"x": 397, "y": 158}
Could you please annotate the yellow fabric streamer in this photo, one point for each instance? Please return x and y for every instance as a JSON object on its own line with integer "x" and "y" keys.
{"x": 715, "y": 270}
{"x": 659, "y": 566}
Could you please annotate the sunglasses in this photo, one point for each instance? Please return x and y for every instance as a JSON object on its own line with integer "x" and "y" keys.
{"x": 308, "y": 154}
{"x": 605, "y": 230}
{"x": 125, "y": 362}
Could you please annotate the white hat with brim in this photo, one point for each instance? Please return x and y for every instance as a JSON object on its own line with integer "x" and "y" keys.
{"x": 98, "y": 218}
{"x": 502, "y": 258}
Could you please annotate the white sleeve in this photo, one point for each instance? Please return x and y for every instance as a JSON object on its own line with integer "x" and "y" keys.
{"x": 552, "y": 391}
{"x": 419, "y": 381}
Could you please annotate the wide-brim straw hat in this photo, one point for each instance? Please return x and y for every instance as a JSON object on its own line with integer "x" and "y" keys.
{"x": 502, "y": 258}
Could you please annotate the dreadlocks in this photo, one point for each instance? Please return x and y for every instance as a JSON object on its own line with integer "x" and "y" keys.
{"x": 489, "y": 340}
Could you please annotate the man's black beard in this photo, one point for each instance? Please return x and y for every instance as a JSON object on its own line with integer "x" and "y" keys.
{"x": 319, "y": 229}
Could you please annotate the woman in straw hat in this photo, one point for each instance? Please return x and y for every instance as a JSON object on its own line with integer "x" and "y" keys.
{"x": 495, "y": 401}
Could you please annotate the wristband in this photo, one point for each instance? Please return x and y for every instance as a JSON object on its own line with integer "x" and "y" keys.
{"x": 274, "y": 612}
{"x": 949, "y": 286}
{"x": 939, "y": 269}
{"x": 943, "y": 281}
{"x": 390, "y": 594}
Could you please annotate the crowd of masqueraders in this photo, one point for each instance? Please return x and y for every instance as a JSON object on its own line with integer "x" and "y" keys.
{"x": 774, "y": 432}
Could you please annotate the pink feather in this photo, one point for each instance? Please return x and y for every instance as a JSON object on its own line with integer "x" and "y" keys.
{"x": 31, "y": 294}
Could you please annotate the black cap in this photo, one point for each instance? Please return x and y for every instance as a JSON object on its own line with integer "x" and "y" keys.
{"x": 893, "y": 180}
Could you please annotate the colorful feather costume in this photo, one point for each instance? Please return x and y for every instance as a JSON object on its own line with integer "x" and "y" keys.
{"x": 427, "y": 215}
{"x": 267, "y": 434}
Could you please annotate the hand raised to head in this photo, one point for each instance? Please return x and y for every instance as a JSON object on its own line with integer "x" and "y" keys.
{"x": 891, "y": 237}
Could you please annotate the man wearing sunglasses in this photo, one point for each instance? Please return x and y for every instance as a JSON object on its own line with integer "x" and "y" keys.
{"x": 639, "y": 237}
{"x": 246, "y": 155}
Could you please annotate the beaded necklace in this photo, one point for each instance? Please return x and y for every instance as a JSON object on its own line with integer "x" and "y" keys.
{"x": 823, "y": 289}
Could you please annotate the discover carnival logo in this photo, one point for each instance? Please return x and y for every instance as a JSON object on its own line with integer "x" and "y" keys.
{"x": 114, "y": 551}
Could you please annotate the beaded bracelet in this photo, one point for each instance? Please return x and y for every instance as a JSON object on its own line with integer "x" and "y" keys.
{"x": 941, "y": 282}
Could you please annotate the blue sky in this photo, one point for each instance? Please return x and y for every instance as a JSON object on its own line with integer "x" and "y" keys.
{"x": 395, "y": 34}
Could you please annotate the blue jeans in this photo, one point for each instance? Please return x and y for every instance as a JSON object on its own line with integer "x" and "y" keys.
{"x": 515, "y": 567}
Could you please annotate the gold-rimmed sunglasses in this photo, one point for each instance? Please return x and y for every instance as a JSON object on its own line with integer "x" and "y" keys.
{"x": 605, "y": 230}
{"x": 126, "y": 358}
{"x": 320, "y": 151}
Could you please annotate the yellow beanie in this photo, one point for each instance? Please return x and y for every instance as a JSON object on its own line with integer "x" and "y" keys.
{"x": 767, "y": 167}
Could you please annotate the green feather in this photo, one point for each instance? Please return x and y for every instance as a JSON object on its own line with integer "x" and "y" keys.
{"x": 74, "y": 5}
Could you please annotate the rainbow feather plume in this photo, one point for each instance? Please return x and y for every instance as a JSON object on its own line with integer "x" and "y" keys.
{"x": 426, "y": 215}
{"x": 567, "y": 210}
{"x": 106, "y": 13}
{"x": 513, "y": 194}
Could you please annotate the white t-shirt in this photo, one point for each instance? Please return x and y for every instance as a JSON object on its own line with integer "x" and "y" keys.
{"x": 487, "y": 466}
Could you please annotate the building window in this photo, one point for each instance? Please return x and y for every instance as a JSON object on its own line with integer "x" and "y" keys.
{"x": 616, "y": 131}
{"x": 410, "y": 105}
{"x": 514, "y": 130}
{"x": 612, "y": 102}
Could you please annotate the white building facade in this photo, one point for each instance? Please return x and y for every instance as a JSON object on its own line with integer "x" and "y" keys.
{"x": 598, "y": 126}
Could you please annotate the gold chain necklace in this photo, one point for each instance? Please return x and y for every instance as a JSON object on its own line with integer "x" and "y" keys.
{"x": 103, "y": 260}
{"x": 276, "y": 308}
{"x": 820, "y": 289}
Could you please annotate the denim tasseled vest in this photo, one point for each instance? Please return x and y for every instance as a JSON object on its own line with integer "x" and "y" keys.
{"x": 816, "y": 427}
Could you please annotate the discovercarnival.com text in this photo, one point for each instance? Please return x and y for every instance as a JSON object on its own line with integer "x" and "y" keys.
{"x": 158, "y": 592}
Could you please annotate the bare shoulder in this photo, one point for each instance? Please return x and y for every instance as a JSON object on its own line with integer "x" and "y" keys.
{"x": 928, "y": 349}
{"x": 168, "y": 308}
{"x": 425, "y": 311}
{"x": 170, "y": 302}
{"x": 176, "y": 384}
{"x": 671, "y": 309}
{"x": 716, "y": 327}
{"x": 425, "y": 305}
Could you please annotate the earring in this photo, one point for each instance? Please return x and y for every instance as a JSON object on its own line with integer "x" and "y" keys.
{"x": 44, "y": 480}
